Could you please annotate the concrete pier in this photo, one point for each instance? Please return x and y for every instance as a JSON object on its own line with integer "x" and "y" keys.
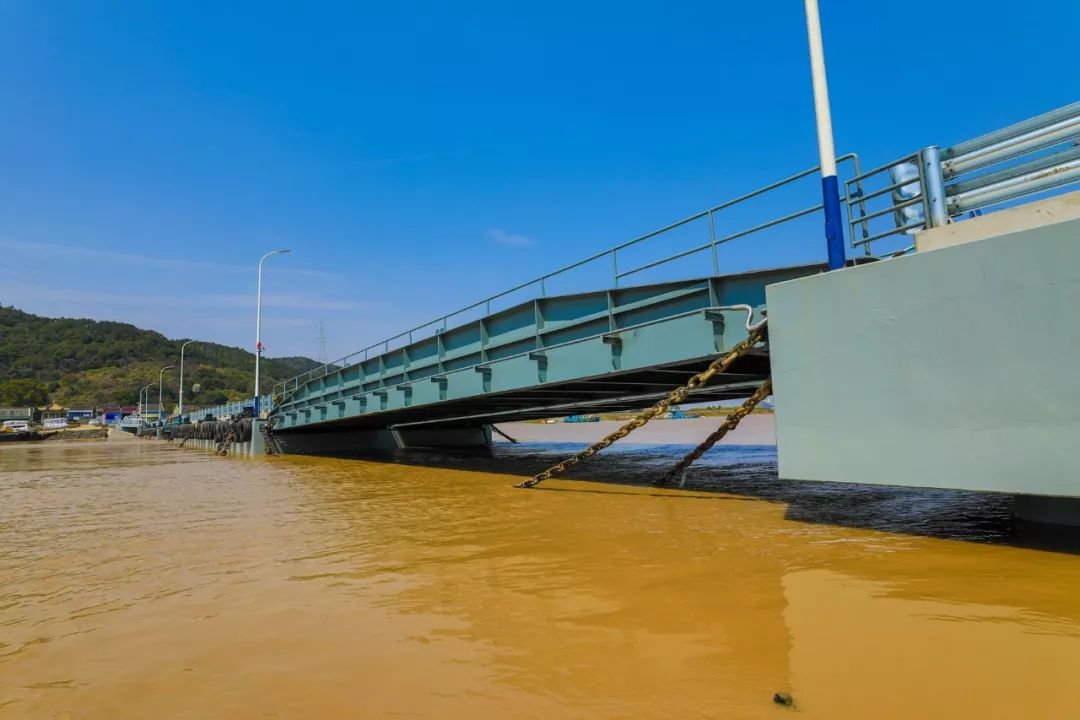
{"x": 353, "y": 442}
{"x": 949, "y": 368}
{"x": 208, "y": 436}
{"x": 1047, "y": 510}
{"x": 210, "y": 446}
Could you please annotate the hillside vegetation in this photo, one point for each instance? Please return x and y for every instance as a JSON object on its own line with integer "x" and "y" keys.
{"x": 89, "y": 362}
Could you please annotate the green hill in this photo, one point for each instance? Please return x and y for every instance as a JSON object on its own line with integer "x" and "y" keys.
{"x": 89, "y": 362}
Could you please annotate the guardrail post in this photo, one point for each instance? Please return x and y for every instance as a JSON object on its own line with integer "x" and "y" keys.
{"x": 712, "y": 244}
{"x": 937, "y": 210}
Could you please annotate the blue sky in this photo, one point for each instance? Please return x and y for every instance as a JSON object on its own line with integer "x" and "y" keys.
{"x": 417, "y": 157}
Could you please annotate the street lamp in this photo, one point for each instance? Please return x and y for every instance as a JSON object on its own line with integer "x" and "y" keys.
{"x": 160, "y": 387}
{"x": 143, "y": 403}
{"x": 258, "y": 325}
{"x": 181, "y": 410}
{"x": 830, "y": 189}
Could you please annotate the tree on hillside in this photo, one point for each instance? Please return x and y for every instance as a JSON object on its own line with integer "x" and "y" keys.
{"x": 91, "y": 362}
{"x": 23, "y": 393}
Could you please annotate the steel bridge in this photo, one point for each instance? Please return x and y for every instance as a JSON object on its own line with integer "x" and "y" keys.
{"x": 609, "y": 350}
{"x": 527, "y": 353}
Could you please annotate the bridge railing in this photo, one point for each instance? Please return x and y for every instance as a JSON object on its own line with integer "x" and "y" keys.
{"x": 614, "y": 257}
{"x": 935, "y": 186}
{"x": 220, "y": 411}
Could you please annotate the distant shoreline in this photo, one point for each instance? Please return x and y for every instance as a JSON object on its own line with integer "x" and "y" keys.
{"x": 66, "y": 435}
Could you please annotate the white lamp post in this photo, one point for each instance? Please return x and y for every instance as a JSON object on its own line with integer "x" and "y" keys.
{"x": 143, "y": 402}
{"x": 830, "y": 188}
{"x": 160, "y": 387}
{"x": 180, "y": 411}
{"x": 258, "y": 325}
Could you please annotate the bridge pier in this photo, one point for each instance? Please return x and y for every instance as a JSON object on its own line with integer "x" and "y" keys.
{"x": 360, "y": 441}
{"x": 1047, "y": 510}
{"x": 258, "y": 444}
{"x": 952, "y": 368}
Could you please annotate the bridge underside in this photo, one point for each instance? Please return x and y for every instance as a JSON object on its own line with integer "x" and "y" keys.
{"x": 618, "y": 349}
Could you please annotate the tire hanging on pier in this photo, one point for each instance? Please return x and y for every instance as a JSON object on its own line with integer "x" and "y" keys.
{"x": 223, "y": 433}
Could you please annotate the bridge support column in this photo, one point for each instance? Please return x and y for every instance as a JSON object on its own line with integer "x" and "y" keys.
{"x": 457, "y": 437}
{"x": 950, "y": 368}
{"x": 1047, "y": 510}
{"x": 352, "y": 442}
{"x": 258, "y": 444}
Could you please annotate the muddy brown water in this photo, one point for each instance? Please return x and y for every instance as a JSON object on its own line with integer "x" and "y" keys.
{"x": 139, "y": 580}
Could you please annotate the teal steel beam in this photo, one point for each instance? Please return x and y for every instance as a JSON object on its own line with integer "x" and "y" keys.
{"x": 550, "y": 341}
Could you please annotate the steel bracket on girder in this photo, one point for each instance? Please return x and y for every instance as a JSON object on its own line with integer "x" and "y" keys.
{"x": 613, "y": 340}
{"x": 716, "y": 316}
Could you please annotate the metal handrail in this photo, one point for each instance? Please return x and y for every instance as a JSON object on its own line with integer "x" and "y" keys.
{"x": 857, "y": 199}
{"x": 1001, "y": 166}
{"x": 1028, "y": 142}
{"x": 1046, "y": 162}
{"x": 441, "y": 324}
{"x": 221, "y": 411}
{"x": 977, "y": 144}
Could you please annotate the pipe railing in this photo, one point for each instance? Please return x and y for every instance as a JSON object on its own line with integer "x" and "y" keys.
{"x": 934, "y": 187}
{"x": 539, "y": 284}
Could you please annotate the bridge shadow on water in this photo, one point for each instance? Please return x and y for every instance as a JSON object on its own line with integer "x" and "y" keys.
{"x": 750, "y": 473}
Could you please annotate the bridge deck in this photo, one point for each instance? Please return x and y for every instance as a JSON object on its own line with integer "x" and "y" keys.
{"x": 599, "y": 351}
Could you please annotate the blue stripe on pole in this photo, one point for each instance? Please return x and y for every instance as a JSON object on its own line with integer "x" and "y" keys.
{"x": 834, "y": 230}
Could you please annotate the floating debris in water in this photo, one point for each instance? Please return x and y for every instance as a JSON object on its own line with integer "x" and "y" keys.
{"x": 783, "y": 698}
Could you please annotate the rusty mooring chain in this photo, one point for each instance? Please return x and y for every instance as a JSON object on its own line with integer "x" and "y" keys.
{"x": 727, "y": 426}
{"x": 269, "y": 441}
{"x": 227, "y": 440}
{"x": 675, "y": 397}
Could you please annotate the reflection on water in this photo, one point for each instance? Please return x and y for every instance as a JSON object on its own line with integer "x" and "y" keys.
{"x": 139, "y": 580}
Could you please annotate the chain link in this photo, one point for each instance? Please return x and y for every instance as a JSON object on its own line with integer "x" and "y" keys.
{"x": 266, "y": 427}
{"x": 227, "y": 440}
{"x": 675, "y": 397}
{"x": 729, "y": 424}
